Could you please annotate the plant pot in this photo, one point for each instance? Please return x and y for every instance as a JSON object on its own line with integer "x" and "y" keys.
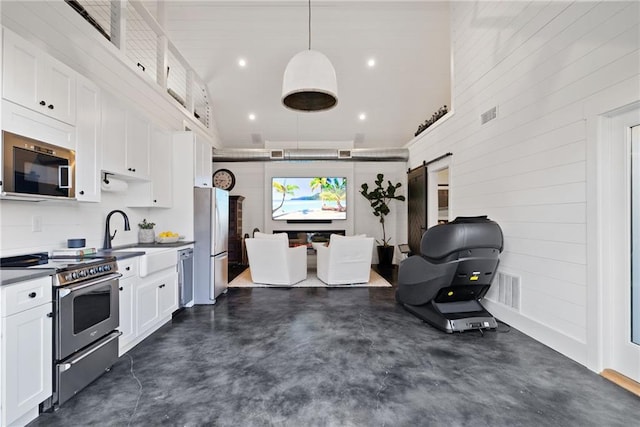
{"x": 146, "y": 235}
{"x": 385, "y": 255}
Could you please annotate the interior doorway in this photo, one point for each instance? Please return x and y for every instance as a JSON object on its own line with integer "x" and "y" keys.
{"x": 619, "y": 226}
{"x": 428, "y": 198}
{"x": 438, "y": 193}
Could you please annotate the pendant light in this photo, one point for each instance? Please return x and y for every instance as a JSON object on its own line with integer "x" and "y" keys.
{"x": 309, "y": 82}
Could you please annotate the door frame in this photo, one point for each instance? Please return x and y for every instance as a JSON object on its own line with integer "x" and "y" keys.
{"x": 614, "y": 242}
{"x": 432, "y": 189}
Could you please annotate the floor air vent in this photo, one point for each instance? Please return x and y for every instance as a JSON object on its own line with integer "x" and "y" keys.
{"x": 507, "y": 290}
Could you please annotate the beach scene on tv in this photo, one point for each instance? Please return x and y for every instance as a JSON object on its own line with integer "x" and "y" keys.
{"x": 322, "y": 198}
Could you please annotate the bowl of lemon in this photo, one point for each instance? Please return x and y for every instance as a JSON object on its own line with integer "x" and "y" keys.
{"x": 167, "y": 237}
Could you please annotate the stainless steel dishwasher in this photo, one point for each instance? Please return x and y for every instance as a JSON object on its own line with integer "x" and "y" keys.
{"x": 185, "y": 276}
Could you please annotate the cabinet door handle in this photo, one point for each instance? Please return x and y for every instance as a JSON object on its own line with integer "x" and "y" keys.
{"x": 161, "y": 286}
{"x": 32, "y": 295}
{"x": 155, "y": 201}
{"x": 49, "y": 314}
{"x": 121, "y": 288}
{"x": 42, "y": 103}
{"x": 81, "y": 192}
{"x": 128, "y": 268}
{"x": 50, "y": 106}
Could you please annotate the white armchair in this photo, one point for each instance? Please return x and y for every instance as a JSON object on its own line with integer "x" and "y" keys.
{"x": 346, "y": 260}
{"x": 273, "y": 262}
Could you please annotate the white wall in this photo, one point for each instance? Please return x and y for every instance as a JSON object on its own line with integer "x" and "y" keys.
{"x": 544, "y": 65}
{"x": 253, "y": 181}
{"x": 64, "y": 220}
{"x": 61, "y": 32}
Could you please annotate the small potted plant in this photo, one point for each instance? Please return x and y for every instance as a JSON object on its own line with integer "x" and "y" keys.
{"x": 379, "y": 198}
{"x": 146, "y": 233}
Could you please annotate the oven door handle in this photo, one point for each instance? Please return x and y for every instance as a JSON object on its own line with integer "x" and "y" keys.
{"x": 63, "y": 292}
{"x": 64, "y": 176}
{"x": 67, "y": 365}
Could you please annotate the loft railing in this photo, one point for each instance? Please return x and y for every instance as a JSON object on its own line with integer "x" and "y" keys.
{"x": 130, "y": 27}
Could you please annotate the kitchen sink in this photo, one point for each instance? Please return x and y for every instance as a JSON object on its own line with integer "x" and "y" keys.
{"x": 153, "y": 259}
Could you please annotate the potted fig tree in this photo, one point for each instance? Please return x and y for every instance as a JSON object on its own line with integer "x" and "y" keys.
{"x": 379, "y": 197}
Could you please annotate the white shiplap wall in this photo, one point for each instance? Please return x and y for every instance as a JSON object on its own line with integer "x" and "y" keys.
{"x": 542, "y": 64}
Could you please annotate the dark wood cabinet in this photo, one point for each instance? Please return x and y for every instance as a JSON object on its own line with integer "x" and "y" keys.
{"x": 235, "y": 229}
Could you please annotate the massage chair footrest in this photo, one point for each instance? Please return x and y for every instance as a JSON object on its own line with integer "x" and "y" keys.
{"x": 453, "y": 322}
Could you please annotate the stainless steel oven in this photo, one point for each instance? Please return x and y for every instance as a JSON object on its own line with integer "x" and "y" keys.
{"x": 36, "y": 169}
{"x": 86, "y": 307}
{"x": 87, "y": 311}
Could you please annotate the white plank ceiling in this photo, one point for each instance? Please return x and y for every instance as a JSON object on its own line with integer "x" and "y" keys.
{"x": 409, "y": 41}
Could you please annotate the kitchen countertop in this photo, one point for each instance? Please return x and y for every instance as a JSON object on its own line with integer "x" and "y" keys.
{"x": 10, "y": 275}
{"x": 120, "y": 254}
{"x": 159, "y": 245}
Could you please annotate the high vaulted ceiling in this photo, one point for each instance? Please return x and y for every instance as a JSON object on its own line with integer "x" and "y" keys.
{"x": 409, "y": 41}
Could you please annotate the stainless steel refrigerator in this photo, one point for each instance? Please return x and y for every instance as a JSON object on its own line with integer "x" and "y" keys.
{"x": 211, "y": 232}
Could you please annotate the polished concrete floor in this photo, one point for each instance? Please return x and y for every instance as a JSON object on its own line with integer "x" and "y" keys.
{"x": 339, "y": 357}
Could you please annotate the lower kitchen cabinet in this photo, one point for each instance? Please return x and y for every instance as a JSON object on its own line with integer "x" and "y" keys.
{"x": 26, "y": 343}
{"x": 127, "y": 313}
{"x": 145, "y": 305}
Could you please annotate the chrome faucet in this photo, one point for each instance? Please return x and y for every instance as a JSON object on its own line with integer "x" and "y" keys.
{"x": 107, "y": 231}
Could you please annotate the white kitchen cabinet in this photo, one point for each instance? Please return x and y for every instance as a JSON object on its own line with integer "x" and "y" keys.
{"x": 203, "y": 166}
{"x": 137, "y": 145}
{"x": 26, "y": 343}
{"x": 128, "y": 282}
{"x": 125, "y": 136}
{"x": 146, "y": 300}
{"x": 36, "y": 80}
{"x": 161, "y": 170}
{"x": 89, "y": 142}
{"x": 168, "y": 298}
{"x": 156, "y": 298}
{"x": 23, "y": 121}
{"x": 157, "y": 193}
{"x": 114, "y": 135}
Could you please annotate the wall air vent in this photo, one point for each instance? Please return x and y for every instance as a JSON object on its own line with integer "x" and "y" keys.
{"x": 488, "y": 115}
{"x": 277, "y": 154}
{"x": 344, "y": 154}
{"x": 507, "y": 290}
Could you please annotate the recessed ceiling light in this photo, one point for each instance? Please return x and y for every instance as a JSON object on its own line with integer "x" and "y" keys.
{"x": 242, "y": 62}
{"x": 252, "y": 116}
{"x": 362, "y": 116}
{"x": 371, "y": 63}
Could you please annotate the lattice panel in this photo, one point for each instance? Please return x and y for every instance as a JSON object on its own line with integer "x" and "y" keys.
{"x": 201, "y": 104}
{"x": 96, "y": 12}
{"x": 176, "y": 79}
{"x": 141, "y": 43}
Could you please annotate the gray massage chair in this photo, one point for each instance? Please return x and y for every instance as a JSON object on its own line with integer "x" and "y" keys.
{"x": 444, "y": 284}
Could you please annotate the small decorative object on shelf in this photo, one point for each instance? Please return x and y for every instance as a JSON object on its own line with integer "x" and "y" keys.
{"x": 434, "y": 118}
{"x": 146, "y": 233}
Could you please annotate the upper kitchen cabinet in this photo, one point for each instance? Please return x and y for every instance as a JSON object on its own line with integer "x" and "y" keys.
{"x": 192, "y": 149}
{"x": 36, "y": 80}
{"x": 89, "y": 142}
{"x": 158, "y": 192}
{"x": 125, "y": 141}
{"x": 203, "y": 168}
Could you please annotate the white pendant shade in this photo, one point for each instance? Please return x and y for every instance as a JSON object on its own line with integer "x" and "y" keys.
{"x": 309, "y": 82}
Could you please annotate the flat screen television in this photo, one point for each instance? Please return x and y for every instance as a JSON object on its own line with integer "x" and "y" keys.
{"x": 309, "y": 198}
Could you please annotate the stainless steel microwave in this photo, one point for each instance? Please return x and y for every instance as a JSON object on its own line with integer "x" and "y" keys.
{"x": 34, "y": 169}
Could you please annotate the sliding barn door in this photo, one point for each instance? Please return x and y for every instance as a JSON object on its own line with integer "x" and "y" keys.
{"x": 417, "y": 205}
